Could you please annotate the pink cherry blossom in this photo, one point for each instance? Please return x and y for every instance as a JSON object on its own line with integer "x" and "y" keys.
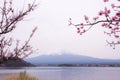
{"x": 86, "y": 18}
{"x": 114, "y": 18}
{"x": 101, "y": 13}
{"x": 81, "y": 24}
{"x": 113, "y": 5}
{"x": 110, "y": 27}
{"x": 113, "y": 42}
{"x": 84, "y": 31}
{"x": 78, "y": 31}
{"x": 95, "y": 18}
{"x": 106, "y": 11}
{"x": 118, "y": 14}
{"x": 105, "y": 0}
{"x": 118, "y": 42}
{"x": 117, "y": 28}
{"x": 78, "y": 28}
{"x": 70, "y": 23}
{"x": 104, "y": 24}
{"x": 81, "y": 27}
{"x": 116, "y": 36}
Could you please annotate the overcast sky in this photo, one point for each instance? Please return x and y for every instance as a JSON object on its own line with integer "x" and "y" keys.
{"x": 54, "y": 36}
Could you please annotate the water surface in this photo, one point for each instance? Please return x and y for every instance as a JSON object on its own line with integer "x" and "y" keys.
{"x": 66, "y": 73}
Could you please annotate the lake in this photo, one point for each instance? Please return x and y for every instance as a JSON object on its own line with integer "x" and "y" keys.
{"x": 66, "y": 73}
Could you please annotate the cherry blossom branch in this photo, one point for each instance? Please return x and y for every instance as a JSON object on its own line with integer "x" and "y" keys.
{"x": 25, "y": 48}
{"x": 9, "y": 18}
{"x": 9, "y": 50}
{"x": 108, "y": 21}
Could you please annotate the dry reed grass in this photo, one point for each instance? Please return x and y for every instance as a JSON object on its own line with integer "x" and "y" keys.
{"x": 21, "y": 76}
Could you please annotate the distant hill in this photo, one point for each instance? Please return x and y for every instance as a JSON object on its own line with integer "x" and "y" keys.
{"x": 16, "y": 63}
{"x": 69, "y": 59}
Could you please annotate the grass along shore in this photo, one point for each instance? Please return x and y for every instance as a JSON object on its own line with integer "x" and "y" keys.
{"x": 20, "y": 76}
